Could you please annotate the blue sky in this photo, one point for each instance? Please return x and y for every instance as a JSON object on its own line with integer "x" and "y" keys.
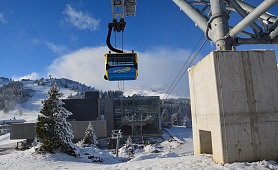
{"x": 66, "y": 38}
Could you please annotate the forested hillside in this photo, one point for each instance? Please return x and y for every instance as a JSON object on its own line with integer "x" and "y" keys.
{"x": 12, "y": 94}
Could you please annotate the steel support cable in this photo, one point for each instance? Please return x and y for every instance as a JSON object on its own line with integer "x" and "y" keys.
{"x": 183, "y": 66}
{"x": 123, "y": 87}
{"x": 108, "y": 40}
{"x": 187, "y": 67}
{"x": 119, "y": 82}
{"x": 120, "y": 85}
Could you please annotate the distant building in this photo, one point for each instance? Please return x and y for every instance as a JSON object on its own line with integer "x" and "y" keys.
{"x": 137, "y": 115}
{"x": 25, "y": 80}
{"x": 6, "y": 124}
{"x": 4, "y": 129}
{"x": 83, "y": 109}
{"x": 134, "y": 115}
{"x": 27, "y": 130}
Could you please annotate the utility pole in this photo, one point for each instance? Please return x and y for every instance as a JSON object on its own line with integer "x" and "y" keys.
{"x": 117, "y": 134}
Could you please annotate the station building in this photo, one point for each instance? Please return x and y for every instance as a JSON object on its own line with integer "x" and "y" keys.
{"x": 135, "y": 116}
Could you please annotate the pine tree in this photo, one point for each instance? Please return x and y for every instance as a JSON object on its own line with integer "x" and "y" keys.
{"x": 175, "y": 119}
{"x": 165, "y": 116}
{"x": 129, "y": 147}
{"x": 45, "y": 125}
{"x": 52, "y": 128}
{"x": 90, "y": 138}
{"x": 62, "y": 130}
{"x": 185, "y": 119}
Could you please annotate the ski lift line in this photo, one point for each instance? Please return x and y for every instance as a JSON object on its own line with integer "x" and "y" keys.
{"x": 115, "y": 37}
{"x": 121, "y": 85}
{"x": 183, "y": 65}
{"x": 187, "y": 67}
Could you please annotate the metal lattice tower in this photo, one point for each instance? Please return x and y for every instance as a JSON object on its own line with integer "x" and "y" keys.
{"x": 212, "y": 18}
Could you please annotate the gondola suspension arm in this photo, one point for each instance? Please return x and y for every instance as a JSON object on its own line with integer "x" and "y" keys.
{"x": 116, "y": 26}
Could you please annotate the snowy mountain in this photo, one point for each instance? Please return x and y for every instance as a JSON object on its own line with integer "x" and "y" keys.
{"x": 149, "y": 91}
{"x": 34, "y": 91}
{"x": 15, "y": 104}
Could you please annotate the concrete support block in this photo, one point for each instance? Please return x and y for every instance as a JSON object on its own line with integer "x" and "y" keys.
{"x": 234, "y": 103}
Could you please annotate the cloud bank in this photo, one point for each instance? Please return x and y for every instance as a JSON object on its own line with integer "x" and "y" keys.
{"x": 32, "y": 76}
{"x": 80, "y": 19}
{"x": 157, "y": 67}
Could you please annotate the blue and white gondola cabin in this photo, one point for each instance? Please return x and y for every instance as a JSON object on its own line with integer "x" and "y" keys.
{"x": 121, "y": 66}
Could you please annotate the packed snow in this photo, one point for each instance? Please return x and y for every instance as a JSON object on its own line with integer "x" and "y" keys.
{"x": 173, "y": 154}
{"x": 173, "y": 151}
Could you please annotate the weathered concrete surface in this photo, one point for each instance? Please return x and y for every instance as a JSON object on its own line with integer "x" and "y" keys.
{"x": 234, "y": 95}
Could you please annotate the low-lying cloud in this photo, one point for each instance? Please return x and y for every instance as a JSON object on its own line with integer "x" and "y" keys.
{"x": 32, "y": 76}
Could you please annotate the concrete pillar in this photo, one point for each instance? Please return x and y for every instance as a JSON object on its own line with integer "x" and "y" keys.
{"x": 234, "y": 104}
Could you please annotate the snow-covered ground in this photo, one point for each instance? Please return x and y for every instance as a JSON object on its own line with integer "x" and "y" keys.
{"x": 175, "y": 154}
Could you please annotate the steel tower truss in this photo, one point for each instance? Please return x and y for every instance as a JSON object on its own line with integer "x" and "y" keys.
{"x": 213, "y": 16}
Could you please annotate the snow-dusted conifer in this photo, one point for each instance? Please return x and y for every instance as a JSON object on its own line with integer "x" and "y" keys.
{"x": 52, "y": 128}
{"x": 90, "y": 138}
{"x": 165, "y": 116}
{"x": 62, "y": 130}
{"x": 129, "y": 147}
{"x": 175, "y": 119}
{"x": 185, "y": 119}
{"x": 45, "y": 124}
